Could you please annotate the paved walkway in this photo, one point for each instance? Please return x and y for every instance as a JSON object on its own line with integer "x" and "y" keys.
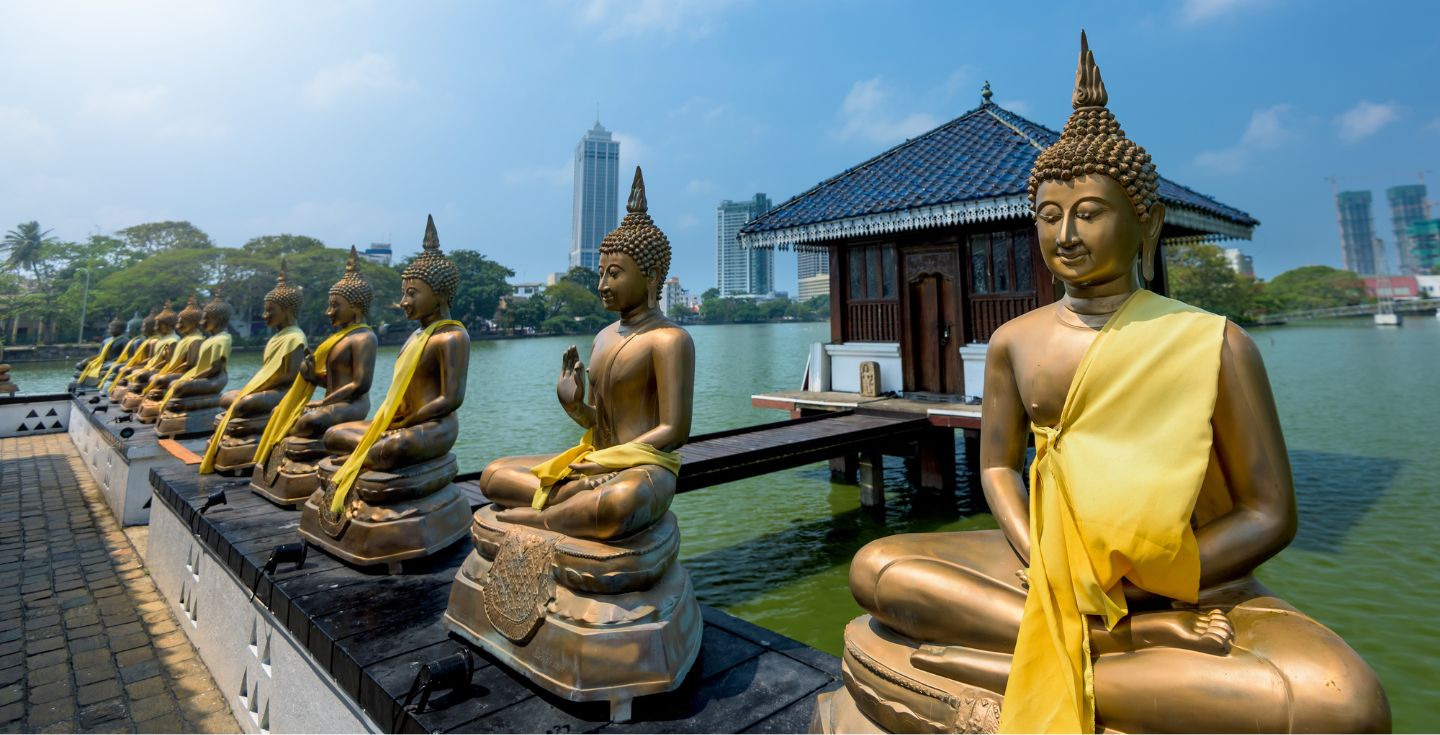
{"x": 86, "y": 642}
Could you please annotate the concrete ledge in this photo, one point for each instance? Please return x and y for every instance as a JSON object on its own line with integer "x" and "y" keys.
{"x": 31, "y": 415}
{"x": 120, "y": 465}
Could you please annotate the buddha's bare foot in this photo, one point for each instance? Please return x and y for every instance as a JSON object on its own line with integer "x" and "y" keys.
{"x": 1209, "y": 632}
{"x": 523, "y": 516}
{"x": 985, "y": 669}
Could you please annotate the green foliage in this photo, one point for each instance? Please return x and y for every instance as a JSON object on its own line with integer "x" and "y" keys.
{"x": 716, "y": 310}
{"x": 1315, "y": 287}
{"x": 274, "y": 246}
{"x": 583, "y": 277}
{"x": 171, "y": 274}
{"x": 153, "y": 237}
{"x": 1200, "y": 276}
{"x": 482, "y": 285}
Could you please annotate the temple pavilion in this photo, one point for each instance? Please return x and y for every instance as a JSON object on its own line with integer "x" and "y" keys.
{"x": 932, "y": 247}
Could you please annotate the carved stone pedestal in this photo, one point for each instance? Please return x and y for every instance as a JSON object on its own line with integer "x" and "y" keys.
{"x": 236, "y": 455}
{"x": 188, "y": 416}
{"x": 149, "y": 411}
{"x": 585, "y": 620}
{"x": 389, "y": 517}
{"x": 290, "y": 475}
{"x": 131, "y": 401}
{"x": 885, "y": 693}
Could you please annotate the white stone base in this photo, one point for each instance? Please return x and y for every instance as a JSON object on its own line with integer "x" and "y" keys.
{"x": 271, "y": 682}
{"x": 16, "y": 417}
{"x": 120, "y": 467}
{"x": 972, "y": 357}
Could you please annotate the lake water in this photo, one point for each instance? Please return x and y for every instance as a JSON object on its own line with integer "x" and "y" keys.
{"x": 1360, "y": 406}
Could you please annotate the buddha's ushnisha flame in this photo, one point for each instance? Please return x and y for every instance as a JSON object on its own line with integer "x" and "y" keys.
{"x": 352, "y": 286}
{"x": 284, "y": 295}
{"x": 432, "y": 267}
{"x": 637, "y": 235}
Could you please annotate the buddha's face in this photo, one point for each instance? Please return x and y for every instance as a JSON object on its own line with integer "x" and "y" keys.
{"x": 340, "y": 311}
{"x": 189, "y": 324}
{"x": 215, "y": 322}
{"x": 1089, "y": 232}
{"x": 164, "y": 326}
{"x": 623, "y": 286}
{"x": 418, "y": 300}
{"x": 117, "y": 329}
{"x": 276, "y": 316}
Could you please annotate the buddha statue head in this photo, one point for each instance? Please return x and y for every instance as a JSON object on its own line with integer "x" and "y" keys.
{"x": 282, "y": 304}
{"x": 116, "y": 325}
{"x": 217, "y": 314}
{"x": 147, "y": 325}
{"x": 1094, "y": 193}
{"x": 165, "y": 320}
{"x": 190, "y": 317}
{"x": 135, "y": 325}
{"x": 428, "y": 284}
{"x": 634, "y": 257}
{"x": 350, "y": 296}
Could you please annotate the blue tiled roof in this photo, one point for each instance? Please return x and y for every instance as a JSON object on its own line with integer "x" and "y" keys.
{"x": 986, "y": 153}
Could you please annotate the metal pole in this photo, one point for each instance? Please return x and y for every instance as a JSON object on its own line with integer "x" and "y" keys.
{"x": 84, "y": 300}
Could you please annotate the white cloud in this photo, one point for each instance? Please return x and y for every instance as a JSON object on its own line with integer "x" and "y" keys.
{"x": 686, "y": 221}
{"x": 556, "y": 176}
{"x": 1199, "y": 11}
{"x": 370, "y": 72}
{"x": 1365, "y": 119}
{"x": 699, "y": 186}
{"x": 125, "y": 104}
{"x": 23, "y": 135}
{"x": 619, "y": 19}
{"x": 1268, "y": 128}
{"x": 867, "y": 114}
{"x": 961, "y": 81}
{"x": 192, "y": 129}
{"x": 702, "y": 107}
{"x": 1019, "y": 107}
{"x": 633, "y": 152}
{"x": 1224, "y": 161}
{"x": 112, "y": 217}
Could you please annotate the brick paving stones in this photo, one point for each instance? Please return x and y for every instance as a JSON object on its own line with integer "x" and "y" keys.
{"x": 86, "y": 643}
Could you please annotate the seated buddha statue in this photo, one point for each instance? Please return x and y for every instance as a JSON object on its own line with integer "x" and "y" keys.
{"x": 89, "y": 370}
{"x": 293, "y": 442}
{"x": 184, "y": 356}
{"x": 160, "y": 353}
{"x": 615, "y": 616}
{"x": 137, "y": 353}
{"x": 1118, "y": 592}
{"x": 231, "y": 450}
{"x": 7, "y": 386}
{"x": 385, "y": 492}
{"x": 192, "y": 401}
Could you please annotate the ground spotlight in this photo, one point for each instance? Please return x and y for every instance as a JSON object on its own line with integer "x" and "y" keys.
{"x": 214, "y": 499}
{"x": 451, "y": 672}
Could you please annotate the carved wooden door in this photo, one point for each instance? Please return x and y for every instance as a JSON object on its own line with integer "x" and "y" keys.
{"x": 933, "y": 333}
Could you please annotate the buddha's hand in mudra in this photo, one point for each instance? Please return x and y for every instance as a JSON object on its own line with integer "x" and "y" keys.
{"x": 570, "y": 388}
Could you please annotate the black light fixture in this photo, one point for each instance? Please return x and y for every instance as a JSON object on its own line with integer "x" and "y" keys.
{"x": 214, "y": 499}
{"x": 451, "y": 672}
{"x": 127, "y": 432}
{"x": 125, "y": 418}
{"x": 286, "y": 554}
{"x": 95, "y": 399}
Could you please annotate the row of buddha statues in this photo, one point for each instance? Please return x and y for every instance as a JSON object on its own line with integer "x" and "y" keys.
{"x": 1117, "y": 593}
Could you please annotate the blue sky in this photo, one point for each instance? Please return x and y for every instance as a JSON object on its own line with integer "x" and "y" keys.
{"x": 349, "y": 121}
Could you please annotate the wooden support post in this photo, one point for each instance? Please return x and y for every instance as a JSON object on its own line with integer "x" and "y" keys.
{"x": 936, "y": 450}
{"x": 872, "y": 479}
{"x": 972, "y": 455}
{"x": 845, "y": 468}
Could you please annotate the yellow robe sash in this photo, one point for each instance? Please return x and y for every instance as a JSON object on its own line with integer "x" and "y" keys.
{"x": 118, "y": 370}
{"x": 92, "y": 368}
{"x": 277, "y": 349}
{"x": 405, "y": 366}
{"x": 214, "y": 349}
{"x": 1112, "y": 490}
{"x": 618, "y": 457}
{"x": 176, "y": 361}
{"x": 283, "y": 418}
{"x": 158, "y": 358}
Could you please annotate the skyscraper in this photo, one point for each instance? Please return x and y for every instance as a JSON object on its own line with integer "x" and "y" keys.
{"x": 812, "y": 274}
{"x": 1357, "y": 232}
{"x": 741, "y": 272}
{"x": 1407, "y": 206}
{"x": 597, "y": 191}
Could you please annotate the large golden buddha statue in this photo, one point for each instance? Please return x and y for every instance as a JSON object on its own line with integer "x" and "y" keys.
{"x": 1118, "y": 592}
{"x": 614, "y": 616}
{"x": 237, "y": 431}
{"x": 192, "y": 401}
{"x": 184, "y": 356}
{"x": 161, "y": 350}
{"x": 136, "y": 354}
{"x": 89, "y": 371}
{"x": 386, "y": 493}
{"x": 344, "y": 363}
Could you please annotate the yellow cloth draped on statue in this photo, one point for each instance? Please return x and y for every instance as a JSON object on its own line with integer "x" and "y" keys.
{"x": 177, "y": 359}
{"x": 92, "y": 368}
{"x": 618, "y": 457}
{"x": 158, "y": 358}
{"x": 1113, "y": 487}
{"x": 127, "y": 361}
{"x": 277, "y": 349}
{"x": 405, "y": 366}
{"x": 212, "y": 350}
{"x": 293, "y": 404}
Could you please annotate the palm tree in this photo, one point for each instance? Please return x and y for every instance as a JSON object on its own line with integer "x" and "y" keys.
{"x": 26, "y": 245}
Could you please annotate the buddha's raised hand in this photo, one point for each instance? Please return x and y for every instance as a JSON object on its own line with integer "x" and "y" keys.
{"x": 570, "y": 388}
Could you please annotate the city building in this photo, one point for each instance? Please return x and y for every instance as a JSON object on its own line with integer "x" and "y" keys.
{"x": 812, "y": 273}
{"x": 1429, "y": 286}
{"x": 377, "y": 252}
{"x": 813, "y": 286}
{"x": 1395, "y": 287}
{"x": 672, "y": 294}
{"x": 924, "y": 268}
{"x": 597, "y": 191}
{"x": 1408, "y": 205}
{"x": 1424, "y": 237}
{"x": 741, "y": 271}
{"x": 522, "y": 291}
{"x": 1357, "y": 232}
{"x": 1240, "y": 262}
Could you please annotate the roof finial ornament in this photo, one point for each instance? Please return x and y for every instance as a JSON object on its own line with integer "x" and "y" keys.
{"x": 985, "y": 93}
{"x": 1089, "y": 88}
{"x": 637, "y": 201}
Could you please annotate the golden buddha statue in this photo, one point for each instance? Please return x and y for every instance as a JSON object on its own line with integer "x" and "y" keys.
{"x": 7, "y": 386}
{"x": 615, "y": 616}
{"x": 160, "y": 353}
{"x": 115, "y": 380}
{"x": 89, "y": 371}
{"x": 1118, "y": 592}
{"x": 232, "y": 447}
{"x": 192, "y": 401}
{"x": 184, "y": 356}
{"x": 386, "y": 493}
{"x": 293, "y": 442}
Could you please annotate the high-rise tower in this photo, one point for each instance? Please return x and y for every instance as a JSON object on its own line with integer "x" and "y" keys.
{"x": 597, "y": 195}
{"x": 1407, "y": 206}
{"x": 1357, "y": 232}
{"x": 738, "y": 271}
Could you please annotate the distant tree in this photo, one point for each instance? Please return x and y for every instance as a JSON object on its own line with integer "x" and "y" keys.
{"x": 482, "y": 285}
{"x": 571, "y": 299}
{"x": 171, "y": 274}
{"x": 1200, "y": 275}
{"x": 1315, "y": 287}
{"x": 710, "y": 293}
{"x": 587, "y": 278}
{"x": 29, "y": 248}
{"x": 153, "y": 237}
{"x": 274, "y": 246}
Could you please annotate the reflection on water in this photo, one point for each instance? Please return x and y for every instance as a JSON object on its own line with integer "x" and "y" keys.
{"x": 1360, "y": 406}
